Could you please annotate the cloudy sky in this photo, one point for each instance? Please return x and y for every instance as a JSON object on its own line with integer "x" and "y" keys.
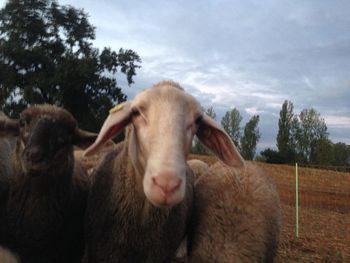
{"x": 251, "y": 55}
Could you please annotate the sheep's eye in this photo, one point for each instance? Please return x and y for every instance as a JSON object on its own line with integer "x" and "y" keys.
{"x": 135, "y": 112}
{"x": 198, "y": 120}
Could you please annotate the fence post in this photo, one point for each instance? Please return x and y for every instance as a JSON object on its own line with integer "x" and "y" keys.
{"x": 296, "y": 201}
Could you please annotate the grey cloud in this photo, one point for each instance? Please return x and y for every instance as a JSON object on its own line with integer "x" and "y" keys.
{"x": 244, "y": 54}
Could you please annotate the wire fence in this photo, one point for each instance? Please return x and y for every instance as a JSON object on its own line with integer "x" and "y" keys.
{"x": 345, "y": 169}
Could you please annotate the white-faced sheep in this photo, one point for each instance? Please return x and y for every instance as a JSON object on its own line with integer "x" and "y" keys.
{"x": 47, "y": 189}
{"x": 236, "y": 218}
{"x": 140, "y": 203}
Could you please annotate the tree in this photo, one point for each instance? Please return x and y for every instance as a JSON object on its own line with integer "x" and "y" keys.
{"x": 322, "y": 152}
{"x": 47, "y": 56}
{"x": 308, "y": 131}
{"x": 284, "y": 135}
{"x": 231, "y": 124}
{"x": 250, "y": 138}
{"x": 341, "y": 153}
{"x": 211, "y": 112}
{"x": 271, "y": 156}
{"x": 198, "y": 147}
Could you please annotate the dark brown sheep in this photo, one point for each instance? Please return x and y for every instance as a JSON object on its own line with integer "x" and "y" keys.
{"x": 47, "y": 193}
{"x": 6, "y": 151}
{"x": 140, "y": 203}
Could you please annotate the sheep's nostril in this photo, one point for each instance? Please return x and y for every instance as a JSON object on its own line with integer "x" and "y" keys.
{"x": 34, "y": 155}
{"x": 168, "y": 186}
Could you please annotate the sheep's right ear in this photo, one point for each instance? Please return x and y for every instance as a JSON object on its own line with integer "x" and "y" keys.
{"x": 217, "y": 140}
{"x": 9, "y": 127}
{"x": 118, "y": 118}
{"x": 84, "y": 139}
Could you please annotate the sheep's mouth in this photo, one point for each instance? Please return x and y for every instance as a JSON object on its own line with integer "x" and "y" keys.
{"x": 34, "y": 167}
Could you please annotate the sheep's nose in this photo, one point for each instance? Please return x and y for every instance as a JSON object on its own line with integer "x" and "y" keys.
{"x": 166, "y": 184}
{"x": 34, "y": 154}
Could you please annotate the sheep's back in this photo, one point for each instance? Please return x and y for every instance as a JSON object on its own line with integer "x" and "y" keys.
{"x": 237, "y": 216}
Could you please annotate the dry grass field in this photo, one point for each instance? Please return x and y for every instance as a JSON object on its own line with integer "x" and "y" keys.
{"x": 324, "y": 209}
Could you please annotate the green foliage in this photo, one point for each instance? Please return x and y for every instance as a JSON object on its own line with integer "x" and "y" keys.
{"x": 211, "y": 112}
{"x": 321, "y": 152}
{"x": 231, "y": 124}
{"x": 250, "y": 138}
{"x": 284, "y": 135}
{"x": 341, "y": 154}
{"x": 271, "y": 156}
{"x": 310, "y": 129}
{"x": 304, "y": 138}
{"x": 47, "y": 56}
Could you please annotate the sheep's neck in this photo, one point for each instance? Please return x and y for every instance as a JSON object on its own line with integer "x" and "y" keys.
{"x": 133, "y": 171}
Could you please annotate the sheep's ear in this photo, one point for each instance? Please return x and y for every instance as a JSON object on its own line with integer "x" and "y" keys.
{"x": 9, "y": 127}
{"x": 217, "y": 140}
{"x": 83, "y": 139}
{"x": 118, "y": 118}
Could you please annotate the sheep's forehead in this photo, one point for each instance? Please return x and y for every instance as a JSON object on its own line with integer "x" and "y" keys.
{"x": 166, "y": 96}
{"x": 50, "y": 112}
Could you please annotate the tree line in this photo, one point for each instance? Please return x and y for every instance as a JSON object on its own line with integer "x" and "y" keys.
{"x": 304, "y": 138}
{"x": 301, "y": 138}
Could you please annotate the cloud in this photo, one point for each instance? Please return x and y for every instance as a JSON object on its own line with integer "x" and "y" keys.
{"x": 251, "y": 55}
{"x": 337, "y": 121}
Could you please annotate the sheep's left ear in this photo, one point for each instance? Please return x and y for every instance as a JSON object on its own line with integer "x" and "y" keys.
{"x": 84, "y": 139}
{"x": 217, "y": 140}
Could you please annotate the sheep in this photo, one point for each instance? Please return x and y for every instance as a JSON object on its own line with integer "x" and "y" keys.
{"x": 141, "y": 200}
{"x": 6, "y": 256}
{"x": 47, "y": 188}
{"x": 236, "y": 218}
{"x": 5, "y": 157}
{"x": 198, "y": 167}
{"x": 89, "y": 163}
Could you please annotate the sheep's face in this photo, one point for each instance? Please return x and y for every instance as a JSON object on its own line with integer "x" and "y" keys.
{"x": 163, "y": 121}
{"x": 47, "y": 136}
{"x": 160, "y": 140}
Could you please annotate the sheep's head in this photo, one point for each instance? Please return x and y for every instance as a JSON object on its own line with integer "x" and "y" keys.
{"x": 46, "y": 135}
{"x": 164, "y": 120}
